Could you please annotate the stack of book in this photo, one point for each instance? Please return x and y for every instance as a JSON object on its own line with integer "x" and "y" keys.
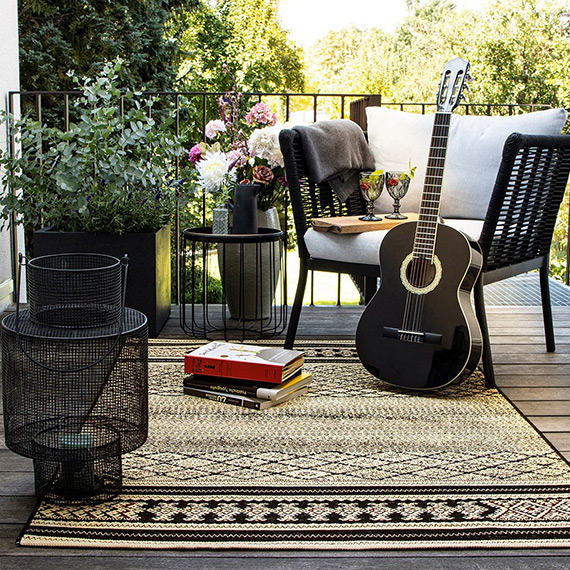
{"x": 256, "y": 377}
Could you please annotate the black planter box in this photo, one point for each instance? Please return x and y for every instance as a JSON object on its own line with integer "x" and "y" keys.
{"x": 148, "y": 282}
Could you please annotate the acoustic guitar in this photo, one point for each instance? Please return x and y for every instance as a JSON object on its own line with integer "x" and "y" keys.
{"x": 419, "y": 330}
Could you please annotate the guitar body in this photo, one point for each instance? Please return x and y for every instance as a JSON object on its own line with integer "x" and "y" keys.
{"x": 444, "y": 344}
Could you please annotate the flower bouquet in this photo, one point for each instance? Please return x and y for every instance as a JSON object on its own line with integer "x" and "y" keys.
{"x": 240, "y": 152}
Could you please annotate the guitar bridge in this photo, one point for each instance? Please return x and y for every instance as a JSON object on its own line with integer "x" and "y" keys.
{"x": 412, "y": 336}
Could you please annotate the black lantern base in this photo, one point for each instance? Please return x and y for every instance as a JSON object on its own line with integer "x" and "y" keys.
{"x": 77, "y": 463}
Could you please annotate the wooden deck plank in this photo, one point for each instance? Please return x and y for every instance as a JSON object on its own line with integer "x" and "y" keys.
{"x": 559, "y": 440}
{"x": 558, "y": 424}
{"x": 549, "y": 408}
{"x": 537, "y": 394}
{"x": 527, "y": 381}
{"x": 185, "y": 562}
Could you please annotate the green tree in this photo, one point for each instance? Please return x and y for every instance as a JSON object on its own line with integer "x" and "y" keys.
{"x": 56, "y": 37}
{"x": 392, "y": 65}
{"x": 520, "y": 53}
{"x": 431, "y": 35}
{"x": 351, "y": 61}
{"x": 244, "y": 34}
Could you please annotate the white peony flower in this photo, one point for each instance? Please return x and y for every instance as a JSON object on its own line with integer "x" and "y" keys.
{"x": 214, "y": 171}
{"x": 264, "y": 143}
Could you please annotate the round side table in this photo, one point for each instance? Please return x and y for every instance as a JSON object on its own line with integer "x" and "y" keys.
{"x": 233, "y": 284}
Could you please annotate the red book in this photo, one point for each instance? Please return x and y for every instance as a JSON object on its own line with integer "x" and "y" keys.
{"x": 247, "y": 362}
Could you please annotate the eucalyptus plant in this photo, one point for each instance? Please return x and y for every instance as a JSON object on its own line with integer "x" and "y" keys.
{"x": 111, "y": 171}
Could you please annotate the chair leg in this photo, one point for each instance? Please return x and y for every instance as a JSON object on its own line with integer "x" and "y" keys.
{"x": 297, "y": 305}
{"x": 370, "y": 288}
{"x": 546, "y": 308}
{"x": 482, "y": 318}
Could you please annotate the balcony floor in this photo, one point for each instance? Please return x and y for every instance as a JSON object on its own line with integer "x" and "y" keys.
{"x": 537, "y": 382}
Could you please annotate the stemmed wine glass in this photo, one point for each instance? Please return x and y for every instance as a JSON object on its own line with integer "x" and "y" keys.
{"x": 397, "y": 184}
{"x": 371, "y": 186}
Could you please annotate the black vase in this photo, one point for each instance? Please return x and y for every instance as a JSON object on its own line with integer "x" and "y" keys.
{"x": 245, "y": 209}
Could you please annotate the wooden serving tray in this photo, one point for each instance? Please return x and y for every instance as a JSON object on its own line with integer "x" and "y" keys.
{"x": 352, "y": 225}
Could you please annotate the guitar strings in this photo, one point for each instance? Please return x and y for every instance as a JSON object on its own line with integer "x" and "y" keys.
{"x": 421, "y": 264}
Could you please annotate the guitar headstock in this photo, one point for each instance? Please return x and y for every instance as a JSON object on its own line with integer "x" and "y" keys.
{"x": 453, "y": 78}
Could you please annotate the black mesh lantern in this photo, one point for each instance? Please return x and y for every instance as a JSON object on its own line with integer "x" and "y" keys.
{"x": 75, "y": 376}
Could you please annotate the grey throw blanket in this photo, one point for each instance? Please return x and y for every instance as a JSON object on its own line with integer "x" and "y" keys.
{"x": 336, "y": 151}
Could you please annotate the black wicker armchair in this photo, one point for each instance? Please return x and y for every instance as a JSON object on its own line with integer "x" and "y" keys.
{"x": 310, "y": 200}
{"x": 519, "y": 224}
{"x": 516, "y": 235}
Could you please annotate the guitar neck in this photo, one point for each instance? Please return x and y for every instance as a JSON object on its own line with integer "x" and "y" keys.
{"x": 424, "y": 243}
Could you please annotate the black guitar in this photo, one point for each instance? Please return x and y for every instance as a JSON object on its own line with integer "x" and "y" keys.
{"x": 419, "y": 331}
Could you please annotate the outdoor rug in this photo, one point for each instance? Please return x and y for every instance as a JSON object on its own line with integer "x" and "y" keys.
{"x": 354, "y": 464}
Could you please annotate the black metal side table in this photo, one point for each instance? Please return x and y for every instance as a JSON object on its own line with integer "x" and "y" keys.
{"x": 234, "y": 285}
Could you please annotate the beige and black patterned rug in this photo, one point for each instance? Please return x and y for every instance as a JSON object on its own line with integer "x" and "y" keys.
{"x": 354, "y": 464}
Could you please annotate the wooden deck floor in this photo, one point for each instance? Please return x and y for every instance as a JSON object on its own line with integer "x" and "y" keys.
{"x": 538, "y": 383}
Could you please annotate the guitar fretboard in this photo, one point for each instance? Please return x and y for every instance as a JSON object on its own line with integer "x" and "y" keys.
{"x": 426, "y": 229}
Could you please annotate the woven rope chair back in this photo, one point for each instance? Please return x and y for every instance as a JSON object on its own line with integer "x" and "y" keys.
{"x": 524, "y": 205}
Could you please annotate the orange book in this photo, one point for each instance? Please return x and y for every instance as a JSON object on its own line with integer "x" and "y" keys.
{"x": 247, "y": 362}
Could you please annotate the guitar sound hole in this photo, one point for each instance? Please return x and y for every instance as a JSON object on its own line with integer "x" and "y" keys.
{"x": 420, "y": 273}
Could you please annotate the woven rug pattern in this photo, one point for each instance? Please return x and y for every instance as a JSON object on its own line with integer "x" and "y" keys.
{"x": 354, "y": 464}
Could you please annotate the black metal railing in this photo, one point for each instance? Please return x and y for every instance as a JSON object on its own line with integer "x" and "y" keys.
{"x": 192, "y": 110}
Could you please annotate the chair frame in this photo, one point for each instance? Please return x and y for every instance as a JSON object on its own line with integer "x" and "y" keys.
{"x": 519, "y": 224}
{"x": 310, "y": 200}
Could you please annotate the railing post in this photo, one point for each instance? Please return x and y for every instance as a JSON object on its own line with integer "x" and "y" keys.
{"x": 13, "y": 226}
{"x": 315, "y": 107}
{"x": 567, "y": 270}
{"x": 66, "y": 112}
{"x": 177, "y": 210}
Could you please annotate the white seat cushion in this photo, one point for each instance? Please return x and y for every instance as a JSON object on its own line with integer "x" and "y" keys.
{"x": 474, "y": 152}
{"x": 365, "y": 247}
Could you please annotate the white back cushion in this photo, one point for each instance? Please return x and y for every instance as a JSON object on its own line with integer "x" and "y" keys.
{"x": 474, "y": 152}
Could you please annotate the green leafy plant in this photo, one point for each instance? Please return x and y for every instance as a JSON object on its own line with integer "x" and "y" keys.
{"x": 111, "y": 171}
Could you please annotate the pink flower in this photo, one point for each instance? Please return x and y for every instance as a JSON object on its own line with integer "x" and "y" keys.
{"x": 262, "y": 174}
{"x": 235, "y": 157}
{"x": 261, "y": 114}
{"x": 195, "y": 155}
{"x": 214, "y": 127}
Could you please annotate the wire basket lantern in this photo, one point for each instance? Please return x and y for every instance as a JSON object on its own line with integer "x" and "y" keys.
{"x": 75, "y": 397}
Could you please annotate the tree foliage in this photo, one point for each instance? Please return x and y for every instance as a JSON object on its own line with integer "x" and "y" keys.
{"x": 56, "y": 37}
{"x": 519, "y": 51}
{"x": 392, "y": 65}
{"x": 244, "y": 34}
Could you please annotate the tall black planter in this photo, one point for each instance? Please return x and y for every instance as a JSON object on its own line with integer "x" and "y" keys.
{"x": 148, "y": 284}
